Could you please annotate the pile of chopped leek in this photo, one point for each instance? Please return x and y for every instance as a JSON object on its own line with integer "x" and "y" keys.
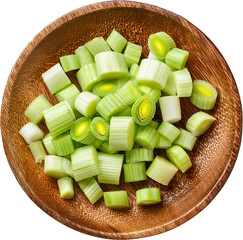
{"x": 110, "y": 125}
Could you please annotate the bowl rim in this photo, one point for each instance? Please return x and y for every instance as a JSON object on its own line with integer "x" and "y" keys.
{"x": 5, "y": 116}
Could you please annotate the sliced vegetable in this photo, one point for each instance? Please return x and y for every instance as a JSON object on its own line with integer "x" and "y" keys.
{"x": 176, "y": 58}
{"x": 106, "y": 87}
{"x": 84, "y": 55}
{"x": 139, "y": 155}
{"x": 132, "y": 53}
{"x": 47, "y": 141}
{"x": 163, "y": 143}
{"x": 168, "y": 131}
{"x": 38, "y": 151}
{"x": 70, "y": 62}
{"x": 97, "y": 45}
{"x": 63, "y": 144}
{"x": 104, "y": 147}
{"x": 154, "y": 93}
{"x": 100, "y": 128}
{"x": 116, "y": 199}
{"x": 185, "y": 140}
{"x": 133, "y": 70}
{"x": 134, "y": 172}
{"x": 116, "y": 41}
{"x": 65, "y": 186}
{"x": 148, "y": 196}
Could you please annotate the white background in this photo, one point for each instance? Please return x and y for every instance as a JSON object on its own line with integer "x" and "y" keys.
{"x": 21, "y": 20}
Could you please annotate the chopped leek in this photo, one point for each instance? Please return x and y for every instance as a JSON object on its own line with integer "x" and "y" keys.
{"x": 65, "y": 186}
{"x": 148, "y": 196}
{"x": 163, "y": 143}
{"x": 47, "y": 141}
{"x": 161, "y": 170}
{"x": 97, "y": 45}
{"x": 127, "y": 111}
{"x": 105, "y": 87}
{"x": 176, "y": 58}
{"x": 154, "y": 93}
{"x": 199, "y": 123}
{"x": 116, "y": 41}
{"x": 168, "y": 131}
{"x": 70, "y": 62}
{"x": 36, "y": 108}
{"x": 185, "y": 140}
{"x": 134, "y": 172}
{"x": 38, "y": 151}
{"x": 132, "y": 53}
{"x": 116, "y": 199}
{"x": 100, "y": 128}
{"x": 84, "y": 55}
{"x": 134, "y": 70}
{"x": 104, "y": 147}
{"x": 139, "y": 155}
{"x": 170, "y": 86}
{"x": 203, "y": 95}
{"x": 63, "y": 144}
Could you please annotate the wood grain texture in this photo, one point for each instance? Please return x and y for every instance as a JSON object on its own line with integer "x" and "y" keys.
{"x": 213, "y": 157}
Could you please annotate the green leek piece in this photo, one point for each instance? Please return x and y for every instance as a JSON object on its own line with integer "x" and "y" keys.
{"x": 154, "y": 124}
{"x": 86, "y": 103}
{"x": 63, "y": 144}
{"x": 127, "y": 111}
{"x": 179, "y": 157}
{"x": 176, "y": 58}
{"x": 154, "y": 93}
{"x": 111, "y": 65}
{"x": 55, "y": 166}
{"x": 116, "y": 41}
{"x": 183, "y": 82}
{"x": 87, "y": 76}
{"x": 148, "y": 196}
{"x": 69, "y": 94}
{"x": 77, "y": 144}
{"x": 36, "y": 108}
{"x": 91, "y": 189}
{"x": 129, "y": 93}
{"x": 100, "y": 128}
{"x": 84, "y": 55}
{"x": 85, "y": 162}
{"x": 168, "y": 131}
{"x": 122, "y": 131}
{"x": 199, "y": 123}
{"x": 38, "y": 151}
{"x": 47, "y": 141}
{"x": 139, "y": 155}
{"x": 97, "y": 45}
{"x": 67, "y": 166}
{"x": 134, "y": 70}
{"x": 161, "y": 170}
{"x": 110, "y": 168}
{"x": 170, "y": 108}
{"x": 143, "y": 110}
{"x": 204, "y": 95}
{"x": 134, "y": 172}
{"x": 110, "y": 105}
{"x": 59, "y": 118}
{"x": 106, "y": 87}
{"x": 153, "y": 73}
{"x": 70, "y": 62}
{"x": 97, "y": 143}
{"x": 170, "y": 86}
{"x": 146, "y": 137}
{"x": 132, "y": 53}
{"x": 65, "y": 186}
{"x": 31, "y": 132}
{"x": 56, "y": 79}
{"x": 104, "y": 147}
{"x": 185, "y": 140}
{"x": 163, "y": 143}
{"x": 151, "y": 56}
{"x": 159, "y": 44}
{"x": 81, "y": 131}
{"x": 116, "y": 199}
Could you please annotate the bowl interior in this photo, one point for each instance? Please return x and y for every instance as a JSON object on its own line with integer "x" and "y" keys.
{"x": 213, "y": 155}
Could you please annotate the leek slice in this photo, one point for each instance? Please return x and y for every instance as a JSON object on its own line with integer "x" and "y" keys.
{"x": 179, "y": 157}
{"x": 65, "y": 186}
{"x": 154, "y": 93}
{"x": 70, "y": 63}
{"x": 151, "y": 56}
{"x": 104, "y": 147}
{"x": 84, "y": 55}
{"x": 163, "y": 143}
{"x": 91, "y": 189}
{"x": 110, "y": 168}
{"x": 148, "y": 196}
{"x": 134, "y": 70}
{"x": 159, "y": 44}
{"x": 97, "y": 143}
{"x": 199, "y": 123}
{"x": 111, "y": 65}
{"x": 86, "y": 103}
{"x": 38, "y": 151}
{"x": 106, "y": 87}
{"x": 185, "y": 140}
{"x": 139, "y": 155}
{"x": 87, "y": 76}
{"x": 56, "y": 79}
{"x": 176, "y": 58}
{"x": 63, "y": 144}
{"x": 100, "y": 128}
{"x": 170, "y": 86}
{"x": 161, "y": 170}
{"x": 153, "y": 73}
{"x": 97, "y": 45}
{"x": 116, "y": 41}
{"x": 134, "y": 172}
{"x": 36, "y": 108}
{"x": 132, "y": 53}
{"x": 81, "y": 131}
{"x": 116, "y": 199}
{"x": 84, "y": 162}
{"x": 47, "y": 141}
{"x": 31, "y": 132}
{"x": 168, "y": 131}
{"x": 122, "y": 131}
{"x": 127, "y": 111}
{"x": 183, "y": 82}
{"x": 170, "y": 108}
{"x": 204, "y": 95}
{"x": 143, "y": 110}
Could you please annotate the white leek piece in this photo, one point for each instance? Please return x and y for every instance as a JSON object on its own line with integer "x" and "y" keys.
{"x": 38, "y": 151}
{"x": 84, "y": 55}
{"x": 139, "y": 155}
{"x": 65, "y": 186}
{"x": 161, "y": 170}
{"x": 185, "y": 140}
{"x": 31, "y": 132}
{"x": 170, "y": 108}
{"x": 168, "y": 131}
{"x": 132, "y": 53}
{"x": 199, "y": 123}
{"x": 55, "y": 78}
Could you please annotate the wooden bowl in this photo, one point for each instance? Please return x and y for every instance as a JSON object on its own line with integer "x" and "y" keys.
{"x": 213, "y": 156}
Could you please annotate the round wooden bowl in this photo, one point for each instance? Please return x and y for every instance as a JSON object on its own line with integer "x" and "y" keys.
{"x": 214, "y": 154}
